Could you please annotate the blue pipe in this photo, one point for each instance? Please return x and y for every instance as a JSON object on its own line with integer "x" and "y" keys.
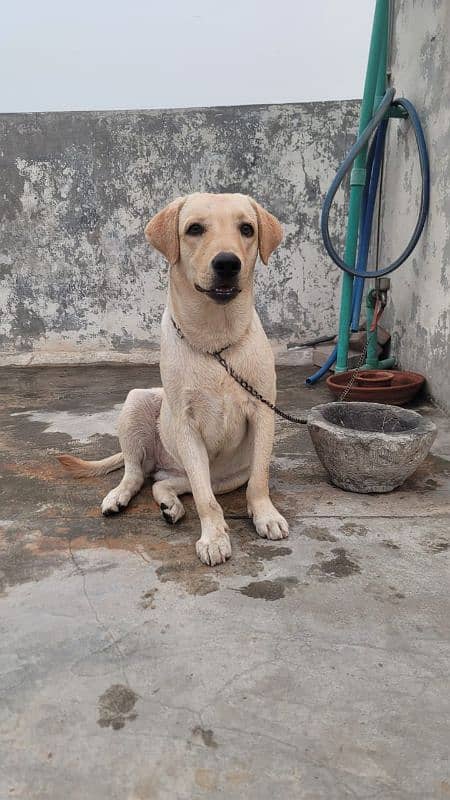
{"x": 323, "y": 369}
{"x": 359, "y": 282}
{"x": 368, "y": 207}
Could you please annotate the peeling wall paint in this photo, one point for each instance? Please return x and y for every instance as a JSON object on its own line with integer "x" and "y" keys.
{"x": 419, "y": 312}
{"x": 78, "y": 281}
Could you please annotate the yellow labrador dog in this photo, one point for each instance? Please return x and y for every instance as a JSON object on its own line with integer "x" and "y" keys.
{"x": 202, "y": 432}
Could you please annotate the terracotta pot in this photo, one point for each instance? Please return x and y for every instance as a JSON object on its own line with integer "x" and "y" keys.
{"x": 403, "y": 388}
{"x": 374, "y": 377}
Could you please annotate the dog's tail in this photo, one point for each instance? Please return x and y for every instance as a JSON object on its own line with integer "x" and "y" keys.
{"x": 83, "y": 469}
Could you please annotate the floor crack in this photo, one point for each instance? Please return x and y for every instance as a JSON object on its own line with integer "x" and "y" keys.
{"x": 100, "y": 623}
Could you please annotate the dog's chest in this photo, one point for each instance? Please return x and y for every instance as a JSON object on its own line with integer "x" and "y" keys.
{"x": 220, "y": 414}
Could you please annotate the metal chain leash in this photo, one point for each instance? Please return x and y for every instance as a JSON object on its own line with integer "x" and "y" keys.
{"x": 254, "y": 392}
{"x": 245, "y": 385}
{"x": 354, "y": 374}
{"x": 299, "y": 420}
{"x": 258, "y": 396}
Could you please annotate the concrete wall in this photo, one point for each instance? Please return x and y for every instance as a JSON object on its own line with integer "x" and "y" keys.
{"x": 419, "y": 313}
{"x": 78, "y": 281}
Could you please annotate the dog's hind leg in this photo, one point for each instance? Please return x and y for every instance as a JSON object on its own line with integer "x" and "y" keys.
{"x": 118, "y": 498}
{"x": 165, "y": 493}
{"x": 138, "y": 436}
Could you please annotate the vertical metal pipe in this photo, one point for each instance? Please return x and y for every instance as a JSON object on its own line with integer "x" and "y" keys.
{"x": 372, "y": 336}
{"x": 378, "y": 45}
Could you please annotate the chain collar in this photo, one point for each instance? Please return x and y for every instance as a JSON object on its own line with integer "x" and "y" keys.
{"x": 181, "y": 335}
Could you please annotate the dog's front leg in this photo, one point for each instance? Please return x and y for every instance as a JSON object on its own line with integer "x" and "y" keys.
{"x": 214, "y": 545}
{"x": 267, "y": 520}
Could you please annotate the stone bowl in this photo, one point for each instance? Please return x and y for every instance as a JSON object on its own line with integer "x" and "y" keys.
{"x": 369, "y": 447}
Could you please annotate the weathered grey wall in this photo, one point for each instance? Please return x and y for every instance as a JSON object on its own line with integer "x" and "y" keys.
{"x": 419, "y": 313}
{"x": 77, "y": 279}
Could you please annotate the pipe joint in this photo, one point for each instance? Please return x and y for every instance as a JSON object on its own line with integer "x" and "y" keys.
{"x": 358, "y": 176}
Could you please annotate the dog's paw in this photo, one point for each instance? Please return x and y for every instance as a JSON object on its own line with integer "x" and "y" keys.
{"x": 174, "y": 512}
{"x": 214, "y": 546}
{"x": 115, "y": 501}
{"x": 268, "y": 521}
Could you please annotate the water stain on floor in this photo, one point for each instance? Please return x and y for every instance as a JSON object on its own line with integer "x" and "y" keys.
{"x": 268, "y": 590}
{"x": 268, "y": 552}
{"x": 320, "y": 534}
{"x": 181, "y": 564}
{"x": 341, "y": 566}
{"x": 115, "y": 706}
{"x": 34, "y": 549}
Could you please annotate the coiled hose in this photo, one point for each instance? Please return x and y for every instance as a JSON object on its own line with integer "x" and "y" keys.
{"x": 378, "y": 123}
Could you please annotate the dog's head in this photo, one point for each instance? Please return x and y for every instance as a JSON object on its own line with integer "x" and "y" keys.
{"x": 214, "y": 239}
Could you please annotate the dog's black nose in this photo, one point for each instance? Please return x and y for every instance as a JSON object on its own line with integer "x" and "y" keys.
{"x": 226, "y": 265}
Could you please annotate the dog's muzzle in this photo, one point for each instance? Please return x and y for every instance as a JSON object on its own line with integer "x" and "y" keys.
{"x": 226, "y": 268}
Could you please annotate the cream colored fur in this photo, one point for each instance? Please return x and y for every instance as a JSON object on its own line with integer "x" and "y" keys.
{"x": 203, "y": 433}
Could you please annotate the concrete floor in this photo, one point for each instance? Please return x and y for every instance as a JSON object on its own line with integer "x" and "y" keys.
{"x": 317, "y": 667}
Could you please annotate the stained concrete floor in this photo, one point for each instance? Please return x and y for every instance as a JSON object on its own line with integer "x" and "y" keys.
{"x": 317, "y": 667}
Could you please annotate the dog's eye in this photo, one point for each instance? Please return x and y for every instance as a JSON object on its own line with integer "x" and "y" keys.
{"x": 247, "y": 229}
{"x": 195, "y": 229}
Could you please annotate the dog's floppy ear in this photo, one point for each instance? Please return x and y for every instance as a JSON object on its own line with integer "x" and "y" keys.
{"x": 270, "y": 232}
{"x": 162, "y": 231}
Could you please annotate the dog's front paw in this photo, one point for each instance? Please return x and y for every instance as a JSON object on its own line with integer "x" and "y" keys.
{"x": 267, "y": 520}
{"x": 214, "y": 546}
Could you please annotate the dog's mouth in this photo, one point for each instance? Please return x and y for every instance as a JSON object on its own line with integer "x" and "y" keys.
{"x": 221, "y": 294}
